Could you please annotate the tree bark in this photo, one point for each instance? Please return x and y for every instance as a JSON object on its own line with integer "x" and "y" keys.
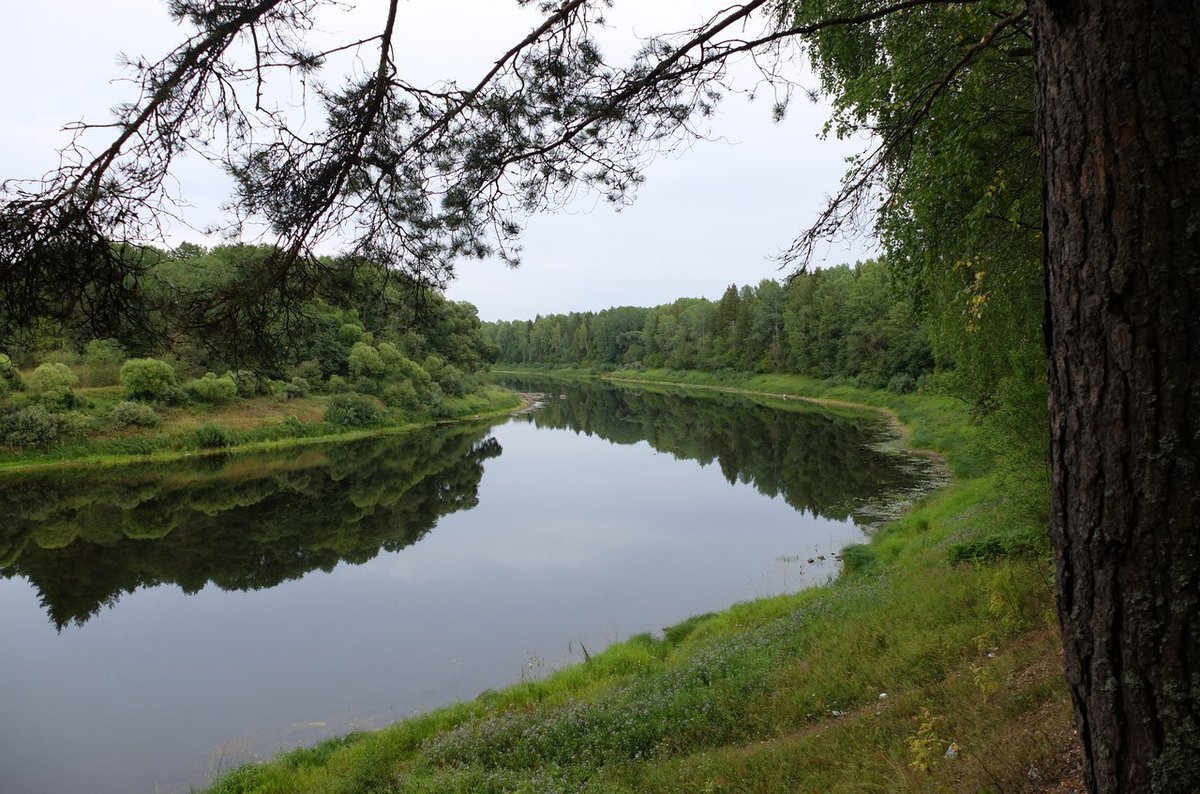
{"x": 1119, "y": 114}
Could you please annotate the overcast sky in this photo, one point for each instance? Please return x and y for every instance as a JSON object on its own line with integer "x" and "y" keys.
{"x": 705, "y": 218}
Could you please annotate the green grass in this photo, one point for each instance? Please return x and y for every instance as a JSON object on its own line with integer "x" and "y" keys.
{"x": 939, "y": 632}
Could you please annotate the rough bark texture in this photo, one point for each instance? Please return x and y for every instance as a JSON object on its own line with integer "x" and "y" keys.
{"x": 1119, "y": 108}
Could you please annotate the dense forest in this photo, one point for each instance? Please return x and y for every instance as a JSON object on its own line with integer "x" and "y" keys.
{"x": 841, "y": 322}
{"x": 861, "y": 325}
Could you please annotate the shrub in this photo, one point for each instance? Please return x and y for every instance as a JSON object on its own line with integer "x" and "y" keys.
{"x": 337, "y": 385}
{"x": 902, "y": 383}
{"x": 73, "y": 424}
{"x": 148, "y": 379}
{"x": 364, "y": 361}
{"x": 389, "y": 354}
{"x": 51, "y": 384}
{"x": 353, "y": 410}
{"x": 36, "y": 427}
{"x": 131, "y": 414}
{"x": 9, "y": 374}
{"x": 211, "y": 389}
{"x": 310, "y": 371}
{"x": 350, "y": 333}
{"x": 103, "y": 359}
{"x": 104, "y": 352}
{"x": 211, "y": 435}
{"x": 436, "y": 404}
{"x": 33, "y": 426}
{"x": 453, "y": 381}
{"x": 407, "y": 369}
{"x": 62, "y": 356}
{"x": 433, "y": 364}
{"x": 249, "y": 384}
{"x": 401, "y": 395}
{"x": 297, "y": 387}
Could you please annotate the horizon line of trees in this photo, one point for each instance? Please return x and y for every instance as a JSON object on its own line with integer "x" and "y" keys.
{"x": 845, "y": 322}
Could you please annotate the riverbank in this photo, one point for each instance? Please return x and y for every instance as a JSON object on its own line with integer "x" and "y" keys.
{"x": 249, "y": 425}
{"x": 930, "y": 664}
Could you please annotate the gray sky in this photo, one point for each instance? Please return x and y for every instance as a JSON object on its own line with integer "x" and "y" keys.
{"x": 706, "y": 217}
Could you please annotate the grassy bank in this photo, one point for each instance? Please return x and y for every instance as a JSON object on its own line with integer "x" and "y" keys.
{"x": 245, "y": 425}
{"x": 930, "y": 664}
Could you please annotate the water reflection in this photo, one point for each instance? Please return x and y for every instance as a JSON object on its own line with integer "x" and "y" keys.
{"x": 586, "y": 530}
{"x": 84, "y": 538}
{"x": 241, "y": 523}
{"x": 821, "y": 462}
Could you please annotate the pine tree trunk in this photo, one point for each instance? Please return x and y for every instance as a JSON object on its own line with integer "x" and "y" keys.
{"x": 1119, "y": 114}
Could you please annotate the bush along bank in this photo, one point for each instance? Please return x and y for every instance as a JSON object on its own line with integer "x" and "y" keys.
{"x": 138, "y": 407}
{"x": 930, "y": 664}
{"x": 67, "y": 391}
{"x": 107, "y": 427}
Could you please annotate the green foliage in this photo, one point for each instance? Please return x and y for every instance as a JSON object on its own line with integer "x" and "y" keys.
{"x": 133, "y": 414}
{"x": 51, "y": 384}
{"x": 453, "y": 381}
{"x": 309, "y": 371}
{"x": 857, "y": 557}
{"x": 848, "y": 322}
{"x": 10, "y": 375}
{"x": 248, "y": 384}
{"x": 212, "y": 435}
{"x": 1024, "y": 542}
{"x": 394, "y": 317}
{"x": 36, "y": 427}
{"x": 902, "y": 383}
{"x": 365, "y": 362}
{"x": 102, "y": 360}
{"x": 354, "y": 410}
{"x": 211, "y": 389}
{"x": 351, "y": 334}
{"x": 337, "y": 385}
{"x": 62, "y": 355}
{"x": 296, "y": 387}
{"x": 400, "y": 395}
{"x": 148, "y": 379}
{"x": 104, "y": 352}
{"x": 33, "y": 426}
{"x": 677, "y": 633}
{"x": 389, "y": 355}
{"x": 962, "y": 223}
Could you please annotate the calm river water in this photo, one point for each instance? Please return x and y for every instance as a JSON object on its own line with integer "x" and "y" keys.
{"x": 159, "y": 624}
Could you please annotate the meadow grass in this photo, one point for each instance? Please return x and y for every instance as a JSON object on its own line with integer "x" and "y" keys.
{"x": 931, "y": 664}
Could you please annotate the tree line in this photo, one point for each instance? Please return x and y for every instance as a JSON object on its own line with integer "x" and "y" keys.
{"x": 846, "y": 322}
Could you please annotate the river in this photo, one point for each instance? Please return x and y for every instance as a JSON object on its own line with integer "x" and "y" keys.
{"x": 161, "y": 623}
